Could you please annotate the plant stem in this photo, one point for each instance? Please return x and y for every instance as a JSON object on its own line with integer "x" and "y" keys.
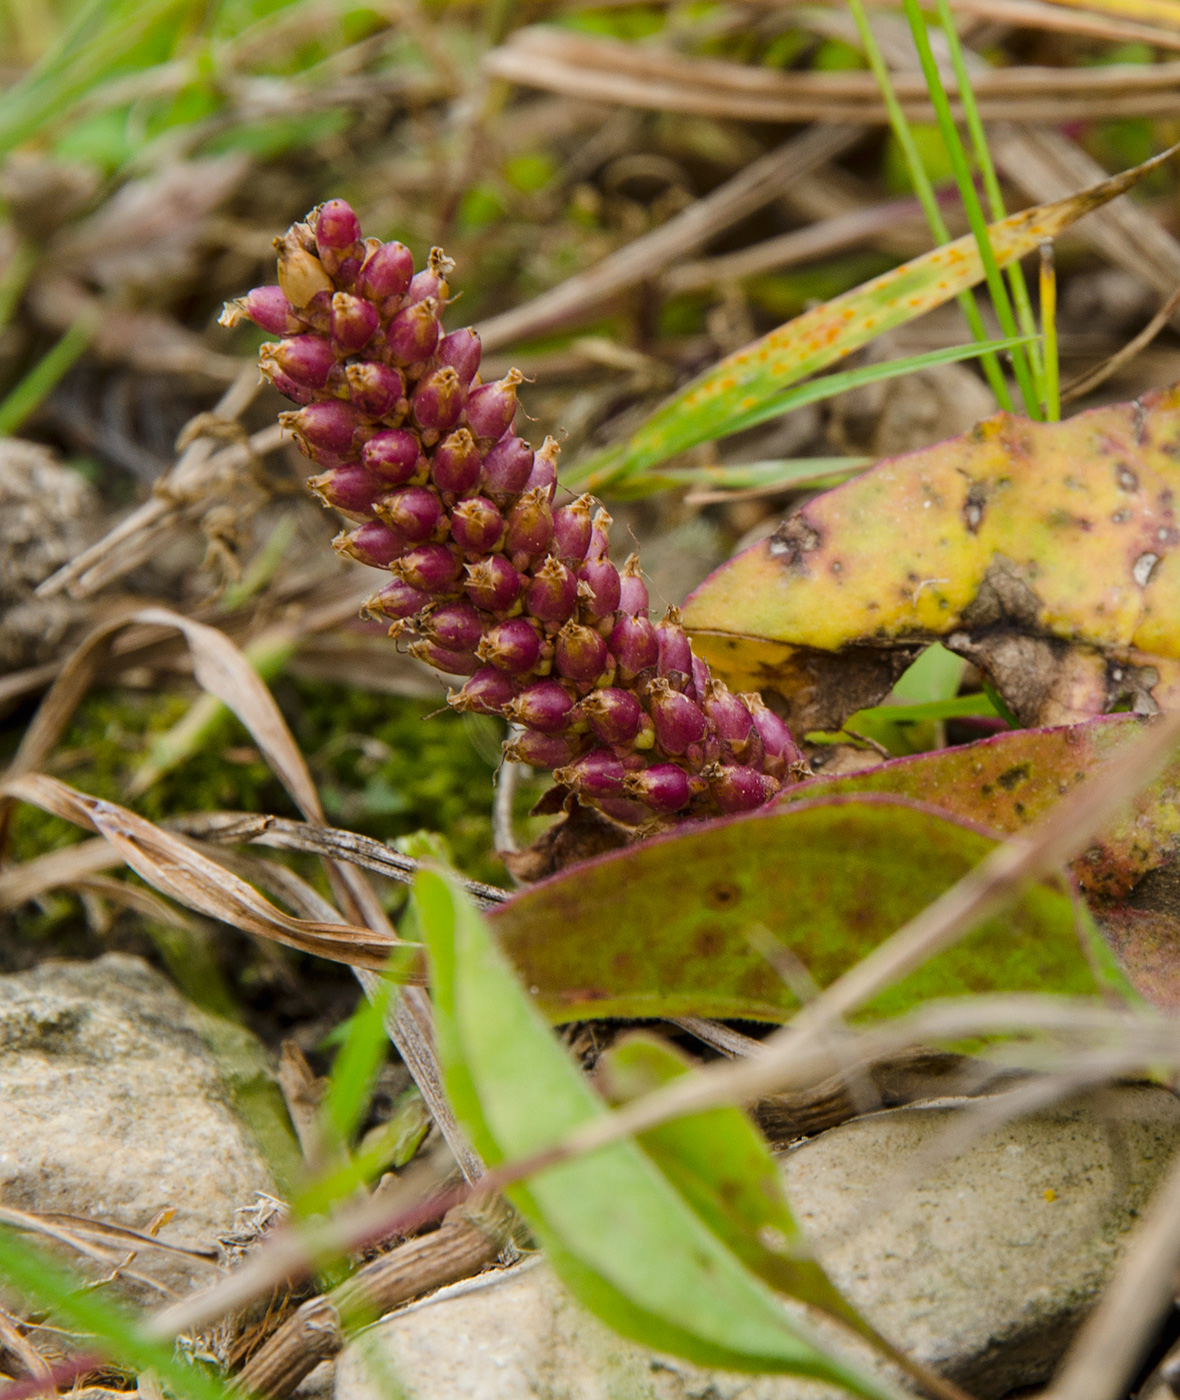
{"x": 1049, "y": 329}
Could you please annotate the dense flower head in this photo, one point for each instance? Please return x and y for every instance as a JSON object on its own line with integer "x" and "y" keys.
{"x": 494, "y": 577}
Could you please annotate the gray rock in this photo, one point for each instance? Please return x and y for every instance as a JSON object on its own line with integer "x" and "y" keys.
{"x": 119, "y": 1101}
{"x": 982, "y": 1265}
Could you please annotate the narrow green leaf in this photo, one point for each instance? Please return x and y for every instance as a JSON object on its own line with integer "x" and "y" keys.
{"x": 26, "y": 395}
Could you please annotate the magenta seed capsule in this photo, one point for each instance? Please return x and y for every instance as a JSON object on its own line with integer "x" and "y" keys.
{"x": 374, "y": 543}
{"x": 350, "y": 489}
{"x": 437, "y": 400}
{"x": 413, "y": 332}
{"x": 431, "y": 567}
{"x": 398, "y": 601}
{"x": 546, "y": 706}
{"x": 267, "y": 307}
{"x": 457, "y": 626}
{"x": 780, "y": 748}
{"x": 633, "y": 644}
{"x": 596, "y": 774}
{"x": 540, "y": 750}
{"x": 513, "y": 646}
{"x": 376, "y": 389}
{"x": 491, "y": 407}
{"x": 614, "y": 714}
{"x": 552, "y": 592}
{"x": 700, "y": 677}
{"x": 507, "y": 468}
{"x": 451, "y": 663}
{"x": 297, "y": 393}
{"x": 632, "y": 589}
{"x": 736, "y": 789}
{"x": 493, "y": 584}
{"x": 392, "y": 454}
{"x": 600, "y": 587}
{"x": 663, "y": 787}
{"x": 678, "y": 720}
{"x": 460, "y": 350}
{"x": 330, "y": 425}
{"x": 728, "y": 716}
{"x": 354, "y": 320}
{"x": 477, "y": 526}
{"x": 307, "y": 359}
{"x": 456, "y": 463}
{"x": 674, "y": 651}
{"x": 487, "y": 692}
{"x": 580, "y": 653}
{"x": 544, "y": 473}
{"x": 386, "y": 272}
{"x": 414, "y": 510}
{"x": 336, "y": 226}
{"x": 599, "y": 547}
{"x": 572, "y": 529}
{"x": 530, "y": 524}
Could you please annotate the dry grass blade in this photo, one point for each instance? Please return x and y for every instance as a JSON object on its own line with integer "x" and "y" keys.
{"x": 1101, "y": 373}
{"x": 170, "y": 865}
{"x": 1046, "y": 14}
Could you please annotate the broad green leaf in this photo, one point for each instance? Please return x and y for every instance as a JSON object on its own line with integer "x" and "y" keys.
{"x": 618, "y": 1234}
{"x": 663, "y": 928}
{"x": 1043, "y": 552}
{"x": 743, "y": 382}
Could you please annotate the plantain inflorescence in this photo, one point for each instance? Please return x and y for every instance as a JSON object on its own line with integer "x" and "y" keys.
{"x": 491, "y": 578}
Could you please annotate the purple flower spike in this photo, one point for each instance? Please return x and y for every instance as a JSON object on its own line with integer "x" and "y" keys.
{"x": 530, "y": 525}
{"x": 354, "y": 321}
{"x": 492, "y": 407}
{"x": 413, "y": 333}
{"x": 614, "y": 714}
{"x": 456, "y": 463}
{"x": 392, "y": 455}
{"x": 350, "y": 489}
{"x": 375, "y": 544}
{"x": 599, "y": 591}
{"x": 336, "y": 226}
{"x": 267, "y": 307}
{"x": 675, "y": 653}
{"x": 386, "y": 272}
{"x": 544, "y": 473}
{"x": 633, "y": 644}
{"x": 780, "y": 748}
{"x": 451, "y": 663}
{"x": 477, "y": 526}
{"x": 305, "y": 359}
{"x": 414, "y": 510}
{"x": 596, "y": 774}
{"x": 329, "y": 425}
{"x": 540, "y": 750}
{"x": 493, "y": 584}
{"x": 580, "y": 653}
{"x": 507, "y": 468}
{"x": 457, "y": 626}
{"x": 374, "y": 388}
{"x": 678, "y": 720}
{"x": 664, "y": 788}
{"x": 632, "y": 589}
{"x": 438, "y": 400}
{"x": 431, "y": 567}
{"x": 736, "y": 789}
{"x": 572, "y": 529}
{"x": 545, "y": 706}
{"x": 552, "y": 593}
{"x": 487, "y": 692}
{"x": 397, "y": 600}
{"x": 461, "y": 350}
{"x": 513, "y": 646}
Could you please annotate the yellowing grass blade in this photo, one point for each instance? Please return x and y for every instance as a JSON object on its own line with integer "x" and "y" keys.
{"x": 1163, "y": 12}
{"x": 743, "y": 381}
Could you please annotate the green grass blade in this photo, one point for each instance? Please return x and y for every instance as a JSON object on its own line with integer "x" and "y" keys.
{"x": 26, "y": 395}
{"x": 924, "y": 190}
{"x": 975, "y": 217}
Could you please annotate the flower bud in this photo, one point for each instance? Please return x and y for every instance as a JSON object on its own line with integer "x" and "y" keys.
{"x": 392, "y": 454}
{"x": 633, "y": 644}
{"x": 329, "y": 425}
{"x": 580, "y": 653}
{"x": 376, "y": 389}
{"x": 507, "y": 468}
{"x": 386, "y": 272}
{"x": 477, "y": 526}
{"x": 461, "y": 350}
{"x": 397, "y": 600}
{"x": 729, "y": 718}
{"x": 414, "y": 510}
{"x": 413, "y": 332}
{"x": 678, "y": 720}
{"x": 546, "y": 706}
{"x": 374, "y": 543}
{"x": 336, "y": 226}
{"x": 530, "y": 524}
{"x": 431, "y": 567}
{"x": 457, "y": 626}
{"x": 599, "y": 547}
{"x": 487, "y": 692}
{"x": 306, "y": 359}
{"x": 513, "y": 646}
{"x": 451, "y": 663}
{"x": 674, "y": 658}
{"x": 350, "y": 489}
{"x": 700, "y": 677}
{"x": 614, "y": 714}
{"x": 493, "y": 584}
{"x": 596, "y": 774}
{"x": 437, "y": 400}
{"x": 737, "y": 789}
{"x": 455, "y": 464}
{"x": 267, "y": 307}
{"x": 301, "y": 274}
{"x": 552, "y": 592}
{"x": 599, "y": 591}
{"x": 491, "y": 407}
{"x": 664, "y": 788}
{"x": 632, "y": 589}
{"x": 544, "y": 472}
{"x": 297, "y": 393}
{"x": 572, "y": 530}
{"x": 541, "y": 750}
{"x": 354, "y": 320}
{"x": 780, "y": 748}
{"x": 432, "y": 280}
